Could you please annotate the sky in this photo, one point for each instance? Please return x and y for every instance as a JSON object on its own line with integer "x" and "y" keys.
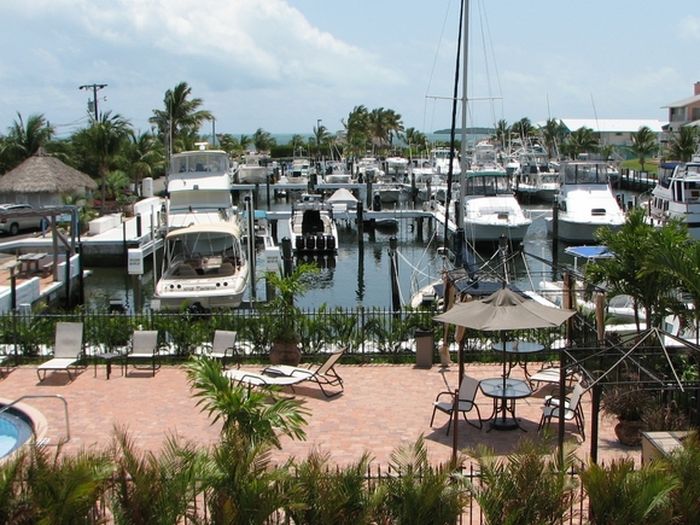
{"x": 281, "y": 65}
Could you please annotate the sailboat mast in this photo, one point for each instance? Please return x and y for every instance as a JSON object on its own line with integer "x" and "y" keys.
{"x": 463, "y": 164}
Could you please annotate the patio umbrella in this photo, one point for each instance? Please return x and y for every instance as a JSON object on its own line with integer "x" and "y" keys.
{"x": 502, "y": 311}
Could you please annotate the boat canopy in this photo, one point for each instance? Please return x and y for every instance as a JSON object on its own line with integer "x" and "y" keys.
{"x": 198, "y": 229}
{"x": 590, "y": 252}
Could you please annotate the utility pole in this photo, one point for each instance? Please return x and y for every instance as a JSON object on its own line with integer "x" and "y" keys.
{"x": 95, "y": 88}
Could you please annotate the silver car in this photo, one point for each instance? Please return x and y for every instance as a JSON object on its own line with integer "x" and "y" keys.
{"x": 13, "y": 225}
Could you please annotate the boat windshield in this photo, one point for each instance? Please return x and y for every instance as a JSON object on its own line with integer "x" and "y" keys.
{"x": 203, "y": 245}
{"x": 210, "y": 162}
{"x": 487, "y": 184}
{"x": 585, "y": 173}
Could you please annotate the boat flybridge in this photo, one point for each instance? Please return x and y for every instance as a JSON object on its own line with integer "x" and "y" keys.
{"x": 203, "y": 262}
{"x": 585, "y": 202}
{"x": 677, "y": 195}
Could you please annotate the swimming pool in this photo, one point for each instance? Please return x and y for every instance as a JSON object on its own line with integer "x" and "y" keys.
{"x": 15, "y": 430}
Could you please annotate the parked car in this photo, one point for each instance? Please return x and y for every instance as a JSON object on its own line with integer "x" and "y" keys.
{"x": 13, "y": 225}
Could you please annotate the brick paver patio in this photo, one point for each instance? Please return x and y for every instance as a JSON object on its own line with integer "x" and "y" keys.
{"x": 382, "y": 407}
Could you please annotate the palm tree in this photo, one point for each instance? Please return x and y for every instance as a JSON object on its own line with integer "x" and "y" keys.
{"x": 644, "y": 144}
{"x": 263, "y": 141}
{"x": 630, "y": 271}
{"x": 554, "y": 132}
{"x": 103, "y": 142}
{"x": 583, "y": 140}
{"x": 526, "y": 487}
{"x": 179, "y": 122}
{"x": 415, "y": 138}
{"x": 523, "y": 129}
{"x": 502, "y": 133}
{"x": 24, "y": 140}
{"x": 154, "y": 488}
{"x": 145, "y": 157}
{"x": 297, "y": 144}
{"x": 684, "y": 144}
{"x": 357, "y": 127}
{"x": 257, "y": 416}
{"x": 621, "y": 494}
{"x": 320, "y": 138}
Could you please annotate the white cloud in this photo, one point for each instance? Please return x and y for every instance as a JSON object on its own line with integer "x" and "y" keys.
{"x": 690, "y": 28}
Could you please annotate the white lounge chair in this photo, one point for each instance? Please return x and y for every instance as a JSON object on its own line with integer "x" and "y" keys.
{"x": 144, "y": 347}
{"x": 323, "y": 375}
{"x": 67, "y": 350}
{"x": 258, "y": 379}
{"x": 221, "y": 348}
{"x": 467, "y": 394}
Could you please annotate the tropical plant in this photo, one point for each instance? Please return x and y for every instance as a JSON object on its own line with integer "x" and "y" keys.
{"x": 65, "y": 489}
{"x": 415, "y": 139}
{"x": 285, "y": 288}
{"x": 15, "y": 506}
{"x": 257, "y": 416}
{"x": 263, "y": 141}
{"x": 523, "y": 129}
{"x": 554, "y": 133}
{"x": 179, "y": 122}
{"x": 635, "y": 244}
{"x": 627, "y": 403}
{"x": 529, "y": 486}
{"x": 24, "y": 140}
{"x": 582, "y": 140}
{"x": 683, "y": 144}
{"x": 357, "y": 130}
{"x": 154, "y": 488}
{"x": 644, "y": 144}
{"x": 421, "y": 493}
{"x": 145, "y": 157}
{"x": 620, "y": 494}
{"x": 502, "y": 134}
{"x": 297, "y": 144}
{"x": 684, "y": 464}
{"x": 329, "y": 494}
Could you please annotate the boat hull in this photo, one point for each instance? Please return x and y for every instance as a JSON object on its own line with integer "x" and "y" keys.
{"x": 578, "y": 232}
{"x": 490, "y": 232}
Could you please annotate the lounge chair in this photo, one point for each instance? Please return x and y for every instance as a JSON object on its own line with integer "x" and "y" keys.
{"x": 221, "y": 348}
{"x": 258, "y": 379}
{"x": 67, "y": 350}
{"x": 323, "y": 375}
{"x": 143, "y": 347}
{"x": 572, "y": 410}
{"x": 467, "y": 394}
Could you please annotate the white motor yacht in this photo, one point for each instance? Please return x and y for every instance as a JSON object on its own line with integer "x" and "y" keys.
{"x": 677, "y": 195}
{"x": 585, "y": 202}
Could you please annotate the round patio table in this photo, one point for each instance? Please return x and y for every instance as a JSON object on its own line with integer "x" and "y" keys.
{"x": 518, "y": 352}
{"x": 503, "y": 415}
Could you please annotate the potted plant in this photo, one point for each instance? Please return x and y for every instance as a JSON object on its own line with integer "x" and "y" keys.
{"x": 285, "y": 330}
{"x": 628, "y": 404}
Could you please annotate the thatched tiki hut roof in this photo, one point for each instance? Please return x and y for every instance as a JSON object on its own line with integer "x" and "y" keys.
{"x": 42, "y": 179}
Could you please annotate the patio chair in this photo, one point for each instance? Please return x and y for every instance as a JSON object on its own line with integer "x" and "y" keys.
{"x": 323, "y": 375}
{"x": 572, "y": 410}
{"x": 251, "y": 379}
{"x": 67, "y": 350}
{"x": 143, "y": 347}
{"x": 549, "y": 374}
{"x": 467, "y": 394}
{"x": 221, "y": 348}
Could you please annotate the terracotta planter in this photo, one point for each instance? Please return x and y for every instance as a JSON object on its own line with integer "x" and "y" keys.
{"x": 285, "y": 353}
{"x": 629, "y": 432}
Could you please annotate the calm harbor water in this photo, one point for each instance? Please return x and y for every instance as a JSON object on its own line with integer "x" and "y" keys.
{"x": 357, "y": 276}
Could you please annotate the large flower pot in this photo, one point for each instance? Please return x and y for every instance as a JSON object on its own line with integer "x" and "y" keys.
{"x": 285, "y": 353}
{"x": 629, "y": 432}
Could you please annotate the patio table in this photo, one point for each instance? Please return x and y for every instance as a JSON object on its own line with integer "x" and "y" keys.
{"x": 518, "y": 352}
{"x": 503, "y": 415}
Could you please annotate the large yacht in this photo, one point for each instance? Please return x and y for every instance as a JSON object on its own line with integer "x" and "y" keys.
{"x": 677, "y": 195}
{"x": 203, "y": 262}
{"x": 490, "y": 207}
{"x": 585, "y": 202}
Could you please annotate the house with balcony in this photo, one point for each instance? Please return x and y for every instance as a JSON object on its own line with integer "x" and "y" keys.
{"x": 684, "y": 112}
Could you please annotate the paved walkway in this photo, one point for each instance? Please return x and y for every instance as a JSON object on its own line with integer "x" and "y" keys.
{"x": 382, "y": 407}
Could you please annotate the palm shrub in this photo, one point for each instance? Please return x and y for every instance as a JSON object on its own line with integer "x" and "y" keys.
{"x": 154, "y": 488}
{"x": 420, "y": 493}
{"x": 66, "y": 489}
{"x": 530, "y": 486}
{"x": 314, "y": 330}
{"x": 684, "y": 464}
{"x": 343, "y": 328}
{"x": 339, "y": 496}
{"x": 15, "y": 506}
{"x": 620, "y": 495}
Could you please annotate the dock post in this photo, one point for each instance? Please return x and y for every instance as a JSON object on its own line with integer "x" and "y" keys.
{"x": 369, "y": 193}
{"x": 419, "y": 229}
{"x": 251, "y": 245}
{"x": 360, "y": 224}
{"x": 81, "y": 277}
{"x": 459, "y": 247}
{"x": 287, "y": 259}
{"x": 394, "y": 269}
{"x": 267, "y": 190}
{"x": 555, "y": 238}
{"x": 67, "y": 285}
{"x": 414, "y": 190}
{"x": 273, "y": 230}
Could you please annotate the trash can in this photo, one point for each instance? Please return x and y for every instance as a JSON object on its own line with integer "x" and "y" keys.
{"x": 424, "y": 348}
